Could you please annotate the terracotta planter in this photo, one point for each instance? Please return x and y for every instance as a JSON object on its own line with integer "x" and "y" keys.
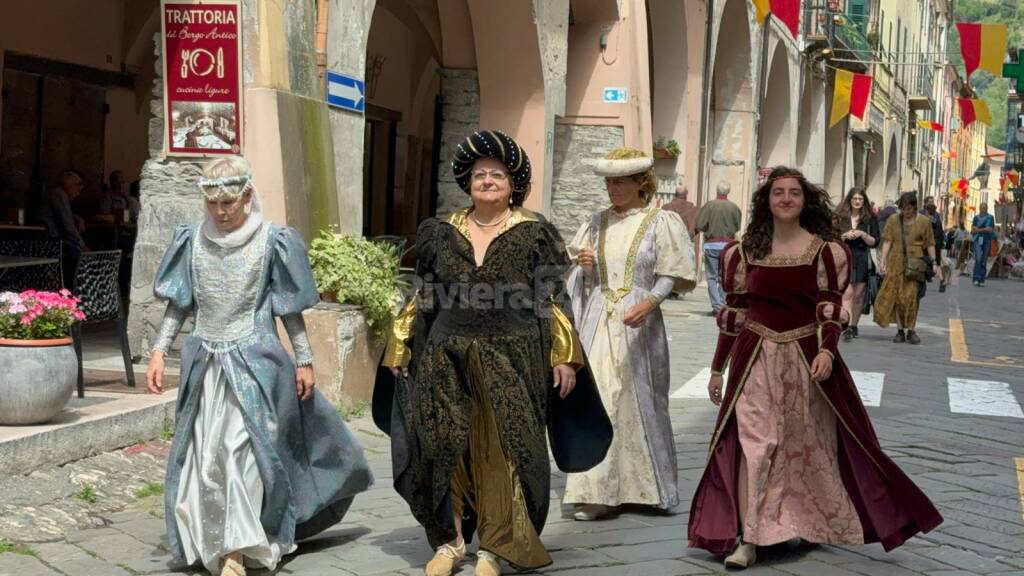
{"x": 39, "y": 377}
{"x": 663, "y": 154}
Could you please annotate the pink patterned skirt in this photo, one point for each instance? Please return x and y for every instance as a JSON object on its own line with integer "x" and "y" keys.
{"x": 787, "y": 432}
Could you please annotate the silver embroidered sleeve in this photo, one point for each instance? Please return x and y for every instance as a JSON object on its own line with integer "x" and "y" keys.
{"x": 174, "y": 317}
{"x": 296, "y": 328}
{"x": 662, "y": 287}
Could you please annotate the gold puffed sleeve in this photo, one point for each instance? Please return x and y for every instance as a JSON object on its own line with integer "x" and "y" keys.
{"x": 565, "y": 343}
{"x": 397, "y": 353}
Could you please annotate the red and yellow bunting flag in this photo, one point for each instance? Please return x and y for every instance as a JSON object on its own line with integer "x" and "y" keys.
{"x": 1004, "y": 184}
{"x": 952, "y": 154}
{"x": 959, "y": 187}
{"x": 972, "y": 109}
{"x": 983, "y": 46}
{"x": 1014, "y": 178}
{"x": 850, "y": 96}
{"x": 787, "y": 11}
{"x": 929, "y": 125}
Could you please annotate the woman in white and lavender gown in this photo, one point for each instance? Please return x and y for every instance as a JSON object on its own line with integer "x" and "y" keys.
{"x": 635, "y": 255}
{"x": 259, "y": 459}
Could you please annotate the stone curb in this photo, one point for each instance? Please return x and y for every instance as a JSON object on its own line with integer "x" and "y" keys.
{"x": 122, "y": 421}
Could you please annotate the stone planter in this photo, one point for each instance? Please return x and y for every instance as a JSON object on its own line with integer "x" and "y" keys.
{"x": 345, "y": 359}
{"x": 38, "y": 379}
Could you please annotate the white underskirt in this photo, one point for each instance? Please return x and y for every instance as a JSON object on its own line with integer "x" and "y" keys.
{"x": 221, "y": 492}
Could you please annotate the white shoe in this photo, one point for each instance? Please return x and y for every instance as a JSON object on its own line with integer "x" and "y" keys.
{"x": 446, "y": 559}
{"x": 486, "y": 564}
{"x": 743, "y": 556}
{"x": 590, "y": 512}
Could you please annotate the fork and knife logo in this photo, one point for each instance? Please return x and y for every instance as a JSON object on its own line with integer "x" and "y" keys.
{"x": 201, "y": 62}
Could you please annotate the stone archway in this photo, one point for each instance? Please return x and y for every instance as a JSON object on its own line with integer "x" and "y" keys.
{"x": 775, "y": 137}
{"x": 403, "y": 54}
{"x": 892, "y": 174}
{"x": 732, "y": 106}
{"x": 674, "y": 81}
{"x": 806, "y": 118}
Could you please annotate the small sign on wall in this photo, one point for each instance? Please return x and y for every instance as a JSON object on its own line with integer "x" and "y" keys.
{"x": 202, "y": 65}
{"x": 346, "y": 92}
{"x": 615, "y": 95}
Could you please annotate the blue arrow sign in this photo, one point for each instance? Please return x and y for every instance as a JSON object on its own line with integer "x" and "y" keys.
{"x": 615, "y": 95}
{"x": 345, "y": 92}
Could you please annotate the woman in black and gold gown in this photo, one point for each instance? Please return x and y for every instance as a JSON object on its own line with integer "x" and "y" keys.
{"x": 489, "y": 370}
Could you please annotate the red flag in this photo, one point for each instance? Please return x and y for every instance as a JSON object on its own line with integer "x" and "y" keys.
{"x": 788, "y": 11}
{"x": 1014, "y": 177}
{"x": 860, "y": 94}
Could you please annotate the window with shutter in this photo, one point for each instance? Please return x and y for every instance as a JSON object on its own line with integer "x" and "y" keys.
{"x": 857, "y": 11}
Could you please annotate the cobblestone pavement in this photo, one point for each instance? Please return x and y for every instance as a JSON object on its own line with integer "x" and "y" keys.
{"x": 102, "y": 516}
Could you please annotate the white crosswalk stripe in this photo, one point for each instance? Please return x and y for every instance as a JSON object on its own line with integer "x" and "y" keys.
{"x": 696, "y": 387}
{"x": 982, "y": 398}
{"x": 869, "y": 384}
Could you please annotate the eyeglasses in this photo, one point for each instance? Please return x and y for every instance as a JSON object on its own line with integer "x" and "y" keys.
{"x": 496, "y": 175}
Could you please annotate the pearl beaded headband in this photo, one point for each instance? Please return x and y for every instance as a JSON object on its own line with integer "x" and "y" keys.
{"x": 217, "y": 187}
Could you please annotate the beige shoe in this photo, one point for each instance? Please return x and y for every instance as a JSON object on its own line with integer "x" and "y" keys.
{"x": 590, "y": 512}
{"x": 446, "y": 559}
{"x": 743, "y": 556}
{"x": 487, "y": 564}
{"x": 232, "y": 567}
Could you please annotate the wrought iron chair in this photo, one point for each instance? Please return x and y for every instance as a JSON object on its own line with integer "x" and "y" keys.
{"x": 100, "y": 296}
{"x": 38, "y": 277}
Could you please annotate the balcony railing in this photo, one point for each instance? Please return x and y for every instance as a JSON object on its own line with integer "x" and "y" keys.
{"x": 845, "y": 33}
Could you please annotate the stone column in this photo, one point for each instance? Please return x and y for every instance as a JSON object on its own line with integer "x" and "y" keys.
{"x": 577, "y": 192}
{"x": 460, "y": 117}
{"x": 348, "y": 32}
{"x": 169, "y": 197}
{"x": 286, "y": 139}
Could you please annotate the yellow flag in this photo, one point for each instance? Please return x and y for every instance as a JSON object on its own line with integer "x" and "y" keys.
{"x": 762, "y": 7}
{"x": 981, "y": 110}
{"x": 841, "y": 96}
{"x": 993, "y": 49}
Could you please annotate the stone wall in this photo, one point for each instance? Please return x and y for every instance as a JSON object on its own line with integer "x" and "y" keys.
{"x": 460, "y": 113}
{"x": 169, "y": 198}
{"x": 576, "y": 192}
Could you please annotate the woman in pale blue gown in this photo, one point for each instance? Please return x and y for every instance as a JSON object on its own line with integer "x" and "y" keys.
{"x": 260, "y": 459}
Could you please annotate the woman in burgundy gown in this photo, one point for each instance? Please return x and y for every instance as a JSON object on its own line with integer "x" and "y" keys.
{"x": 793, "y": 454}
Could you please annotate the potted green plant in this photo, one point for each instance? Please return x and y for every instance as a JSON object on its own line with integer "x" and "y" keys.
{"x": 354, "y": 270}
{"x": 37, "y": 358}
{"x": 666, "y": 148}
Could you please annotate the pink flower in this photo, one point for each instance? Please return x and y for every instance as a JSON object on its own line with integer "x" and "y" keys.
{"x": 27, "y": 319}
{"x": 79, "y": 315}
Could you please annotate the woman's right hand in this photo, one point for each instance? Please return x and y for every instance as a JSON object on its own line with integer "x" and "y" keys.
{"x": 715, "y": 389}
{"x": 398, "y": 371}
{"x": 585, "y": 258}
{"x": 155, "y": 373}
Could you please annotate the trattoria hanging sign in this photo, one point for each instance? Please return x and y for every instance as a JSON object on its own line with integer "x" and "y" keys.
{"x": 202, "y": 72}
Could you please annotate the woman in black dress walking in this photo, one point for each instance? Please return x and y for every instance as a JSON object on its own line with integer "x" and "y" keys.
{"x": 859, "y": 228}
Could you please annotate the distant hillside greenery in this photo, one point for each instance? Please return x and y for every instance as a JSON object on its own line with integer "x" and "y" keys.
{"x": 993, "y": 90}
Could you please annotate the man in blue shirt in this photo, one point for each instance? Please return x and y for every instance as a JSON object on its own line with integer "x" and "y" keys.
{"x": 983, "y": 228}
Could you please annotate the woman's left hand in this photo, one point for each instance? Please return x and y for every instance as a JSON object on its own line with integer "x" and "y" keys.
{"x": 637, "y": 314}
{"x": 565, "y": 379}
{"x": 821, "y": 367}
{"x": 305, "y": 381}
